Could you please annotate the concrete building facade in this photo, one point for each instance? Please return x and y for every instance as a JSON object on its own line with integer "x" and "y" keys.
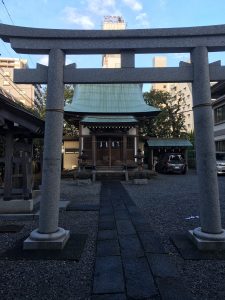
{"x": 28, "y": 94}
{"x": 218, "y": 105}
{"x": 177, "y": 90}
{"x": 112, "y": 23}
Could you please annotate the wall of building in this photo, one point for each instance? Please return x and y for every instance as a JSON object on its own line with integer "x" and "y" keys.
{"x": 25, "y": 93}
{"x": 70, "y": 154}
{"x": 160, "y": 62}
{"x": 112, "y": 23}
{"x": 219, "y": 123}
{"x": 177, "y": 90}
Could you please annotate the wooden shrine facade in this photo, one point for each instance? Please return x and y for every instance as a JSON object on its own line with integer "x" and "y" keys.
{"x": 18, "y": 128}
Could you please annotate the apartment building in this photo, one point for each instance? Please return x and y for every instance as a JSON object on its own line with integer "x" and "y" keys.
{"x": 218, "y": 105}
{"x": 112, "y": 23}
{"x": 160, "y": 62}
{"x": 177, "y": 90}
{"x": 28, "y": 94}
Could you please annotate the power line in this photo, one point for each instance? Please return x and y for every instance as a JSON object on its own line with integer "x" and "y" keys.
{"x": 14, "y": 24}
{"x": 7, "y": 12}
{"x": 15, "y": 87}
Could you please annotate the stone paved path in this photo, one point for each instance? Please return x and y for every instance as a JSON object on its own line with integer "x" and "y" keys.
{"x": 131, "y": 262}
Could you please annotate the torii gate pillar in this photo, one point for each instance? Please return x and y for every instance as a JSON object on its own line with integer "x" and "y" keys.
{"x": 210, "y": 236}
{"x": 49, "y": 235}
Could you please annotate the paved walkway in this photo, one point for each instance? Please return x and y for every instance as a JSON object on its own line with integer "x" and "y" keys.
{"x": 131, "y": 262}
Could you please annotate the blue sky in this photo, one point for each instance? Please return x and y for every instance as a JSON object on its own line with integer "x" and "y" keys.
{"x": 88, "y": 14}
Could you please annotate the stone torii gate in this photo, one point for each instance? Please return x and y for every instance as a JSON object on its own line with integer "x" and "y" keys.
{"x": 57, "y": 43}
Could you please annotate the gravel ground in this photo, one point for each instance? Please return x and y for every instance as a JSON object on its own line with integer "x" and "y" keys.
{"x": 167, "y": 201}
{"x": 54, "y": 279}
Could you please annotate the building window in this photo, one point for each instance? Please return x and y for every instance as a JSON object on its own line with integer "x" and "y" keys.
{"x": 220, "y": 146}
{"x": 6, "y": 74}
{"x": 219, "y": 114}
{"x": 5, "y": 82}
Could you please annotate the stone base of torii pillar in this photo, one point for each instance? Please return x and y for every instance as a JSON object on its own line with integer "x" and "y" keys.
{"x": 207, "y": 241}
{"x": 55, "y": 240}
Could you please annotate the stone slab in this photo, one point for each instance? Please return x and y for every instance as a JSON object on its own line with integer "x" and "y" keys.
{"x": 107, "y": 234}
{"x": 140, "y": 181}
{"x": 106, "y": 212}
{"x": 82, "y": 207}
{"x": 151, "y": 242}
{"x": 143, "y": 227}
{"x": 108, "y": 248}
{"x": 109, "y": 297}
{"x": 119, "y": 205}
{"x": 108, "y": 276}
{"x": 19, "y": 217}
{"x": 107, "y": 225}
{"x": 173, "y": 289}
{"x": 109, "y": 218}
{"x": 125, "y": 227}
{"x": 82, "y": 181}
{"x": 121, "y": 214}
{"x": 188, "y": 250}
{"x": 10, "y": 228}
{"x": 72, "y": 251}
{"x": 130, "y": 246}
{"x": 162, "y": 265}
{"x": 16, "y": 206}
{"x": 139, "y": 280}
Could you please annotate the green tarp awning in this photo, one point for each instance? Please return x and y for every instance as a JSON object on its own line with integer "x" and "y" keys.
{"x": 168, "y": 143}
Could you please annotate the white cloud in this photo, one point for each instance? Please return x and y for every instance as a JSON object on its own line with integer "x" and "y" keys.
{"x": 143, "y": 20}
{"x": 103, "y": 7}
{"x": 134, "y": 4}
{"x": 72, "y": 16}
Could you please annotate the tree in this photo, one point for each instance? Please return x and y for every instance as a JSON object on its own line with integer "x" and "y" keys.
{"x": 170, "y": 122}
{"x": 68, "y": 128}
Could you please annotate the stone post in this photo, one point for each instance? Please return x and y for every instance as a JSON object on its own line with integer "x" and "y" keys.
{"x": 125, "y": 151}
{"x": 8, "y": 166}
{"x": 135, "y": 148}
{"x": 94, "y": 150}
{"x": 210, "y": 235}
{"x": 49, "y": 235}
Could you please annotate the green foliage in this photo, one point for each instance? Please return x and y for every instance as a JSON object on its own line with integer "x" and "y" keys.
{"x": 68, "y": 129}
{"x": 170, "y": 122}
{"x": 191, "y": 137}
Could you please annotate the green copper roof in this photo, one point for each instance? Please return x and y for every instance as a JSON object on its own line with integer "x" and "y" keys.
{"x": 168, "y": 143}
{"x": 109, "y": 119}
{"x": 109, "y": 99}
